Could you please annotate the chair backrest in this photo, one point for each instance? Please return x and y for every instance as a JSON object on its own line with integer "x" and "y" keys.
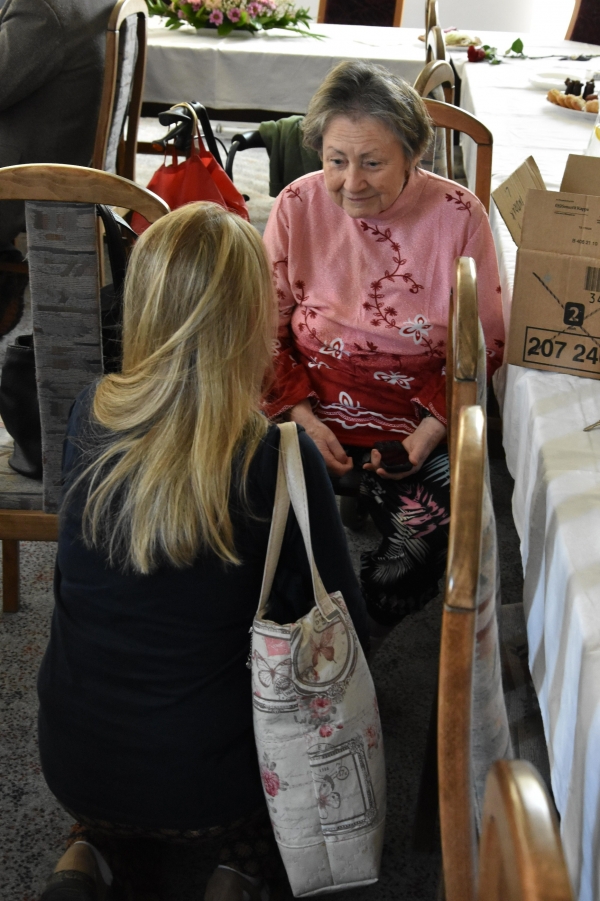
{"x": 435, "y": 44}
{"x": 437, "y": 73}
{"x": 463, "y": 348}
{"x": 436, "y": 81}
{"x": 432, "y": 16}
{"x": 60, "y": 210}
{"x": 457, "y": 657}
{"x": 521, "y": 856}
{"x": 444, "y": 115}
{"x": 361, "y": 12}
{"x": 585, "y": 23}
{"x": 124, "y": 71}
{"x": 472, "y": 720}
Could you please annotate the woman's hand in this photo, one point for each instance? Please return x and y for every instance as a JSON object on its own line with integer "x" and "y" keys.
{"x": 419, "y": 445}
{"x": 336, "y": 459}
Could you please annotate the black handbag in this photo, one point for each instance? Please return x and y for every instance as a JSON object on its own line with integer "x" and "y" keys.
{"x": 19, "y": 406}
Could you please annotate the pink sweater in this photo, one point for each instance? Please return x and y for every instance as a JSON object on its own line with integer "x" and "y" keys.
{"x": 363, "y": 303}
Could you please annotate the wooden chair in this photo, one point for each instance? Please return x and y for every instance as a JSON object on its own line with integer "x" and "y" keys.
{"x": 124, "y": 71}
{"x": 361, "y": 12}
{"x": 465, "y": 383}
{"x": 444, "y": 115}
{"x": 436, "y": 74}
{"x": 481, "y": 713}
{"x": 64, "y": 278}
{"x": 121, "y": 101}
{"x": 432, "y": 16}
{"x": 436, "y": 81}
{"x": 435, "y": 45}
{"x": 457, "y": 678}
{"x": 521, "y": 856}
{"x": 585, "y": 23}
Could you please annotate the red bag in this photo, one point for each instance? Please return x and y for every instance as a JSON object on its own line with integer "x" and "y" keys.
{"x": 198, "y": 178}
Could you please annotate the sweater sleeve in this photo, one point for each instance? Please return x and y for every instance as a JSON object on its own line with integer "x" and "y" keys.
{"x": 31, "y": 49}
{"x": 480, "y": 247}
{"x": 292, "y": 384}
{"x": 292, "y": 594}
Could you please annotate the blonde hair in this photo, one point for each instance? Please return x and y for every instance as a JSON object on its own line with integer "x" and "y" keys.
{"x": 198, "y": 326}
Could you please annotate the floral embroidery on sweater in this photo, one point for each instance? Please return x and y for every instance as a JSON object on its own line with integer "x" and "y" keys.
{"x": 458, "y": 200}
{"x": 387, "y": 314}
{"x": 492, "y": 353}
{"x": 294, "y": 192}
{"x": 278, "y": 291}
{"x": 394, "y": 378}
{"x": 335, "y": 347}
{"x": 417, "y": 328}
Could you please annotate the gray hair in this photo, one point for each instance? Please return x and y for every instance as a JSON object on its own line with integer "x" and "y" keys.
{"x": 359, "y": 89}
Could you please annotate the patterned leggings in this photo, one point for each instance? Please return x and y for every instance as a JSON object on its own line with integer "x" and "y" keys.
{"x": 412, "y": 515}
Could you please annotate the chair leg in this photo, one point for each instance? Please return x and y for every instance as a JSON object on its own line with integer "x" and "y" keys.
{"x": 10, "y": 575}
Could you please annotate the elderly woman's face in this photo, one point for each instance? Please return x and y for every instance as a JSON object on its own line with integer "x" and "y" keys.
{"x": 364, "y": 165}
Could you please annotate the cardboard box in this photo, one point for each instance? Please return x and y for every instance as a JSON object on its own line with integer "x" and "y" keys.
{"x": 555, "y": 314}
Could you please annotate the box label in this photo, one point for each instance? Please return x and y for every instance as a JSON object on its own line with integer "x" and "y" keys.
{"x": 577, "y": 352}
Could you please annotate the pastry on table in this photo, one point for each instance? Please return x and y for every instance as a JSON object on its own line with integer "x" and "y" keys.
{"x": 569, "y": 101}
{"x": 461, "y": 39}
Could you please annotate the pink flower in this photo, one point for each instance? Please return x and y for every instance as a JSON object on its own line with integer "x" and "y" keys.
{"x": 234, "y": 15}
{"x": 270, "y": 781}
{"x": 196, "y": 4}
{"x": 320, "y": 706}
{"x": 325, "y": 731}
{"x": 216, "y": 17}
{"x": 372, "y": 736}
{"x": 180, "y": 14}
{"x": 253, "y": 9}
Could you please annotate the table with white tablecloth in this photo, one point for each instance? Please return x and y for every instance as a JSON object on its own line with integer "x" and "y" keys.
{"x": 556, "y": 467}
{"x": 274, "y": 70}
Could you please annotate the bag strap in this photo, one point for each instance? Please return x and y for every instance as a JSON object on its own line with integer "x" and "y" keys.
{"x": 291, "y": 486}
{"x": 195, "y": 128}
{"x": 113, "y": 227}
{"x": 281, "y": 508}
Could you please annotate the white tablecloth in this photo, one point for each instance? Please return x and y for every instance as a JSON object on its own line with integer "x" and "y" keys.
{"x": 274, "y": 70}
{"x": 556, "y": 467}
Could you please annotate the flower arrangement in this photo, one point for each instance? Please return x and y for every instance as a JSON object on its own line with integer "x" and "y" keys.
{"x": 228, "y": 15}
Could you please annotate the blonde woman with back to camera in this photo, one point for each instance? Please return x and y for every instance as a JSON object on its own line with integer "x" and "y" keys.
{"x": 145, "y": 721}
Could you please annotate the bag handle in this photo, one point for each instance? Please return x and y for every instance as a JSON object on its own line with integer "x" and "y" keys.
{"x": 196, "y": 127}
{"x": 291, "y": 486}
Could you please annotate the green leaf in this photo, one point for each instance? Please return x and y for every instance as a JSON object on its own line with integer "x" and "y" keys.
{"x": 517, "y": 46}
{"x": 225, "y": 29}
{"x": 495, "y": 62}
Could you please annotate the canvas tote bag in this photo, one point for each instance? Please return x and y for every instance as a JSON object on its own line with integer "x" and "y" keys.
{"x": 316, "y": 721}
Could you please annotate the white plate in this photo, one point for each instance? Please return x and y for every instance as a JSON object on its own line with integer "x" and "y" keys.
{"x": 462, "y": 48}
{"x": 556, "y": 78}
{"x": 570, "y": 113}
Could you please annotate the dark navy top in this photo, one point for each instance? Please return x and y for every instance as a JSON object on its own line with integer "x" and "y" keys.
{"x": 145, "y": 698}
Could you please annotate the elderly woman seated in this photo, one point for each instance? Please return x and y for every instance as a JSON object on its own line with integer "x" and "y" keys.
{"x": 363, "y": 255}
